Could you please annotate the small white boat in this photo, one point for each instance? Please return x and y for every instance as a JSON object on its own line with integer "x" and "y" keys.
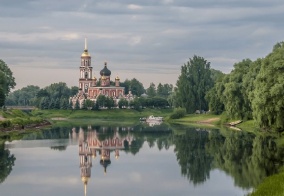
{"x": 154, "y": 119}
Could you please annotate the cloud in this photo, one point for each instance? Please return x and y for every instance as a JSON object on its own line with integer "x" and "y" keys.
{"x": 150, "y": 35}
{"x": 134, "y": 7}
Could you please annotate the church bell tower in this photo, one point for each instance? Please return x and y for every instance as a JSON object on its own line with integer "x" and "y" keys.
{"x": 85, "y": 80}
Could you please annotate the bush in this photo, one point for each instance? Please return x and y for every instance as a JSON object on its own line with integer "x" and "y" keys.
{"x": 178, "y": 113}
{"x": 5, "y": 123}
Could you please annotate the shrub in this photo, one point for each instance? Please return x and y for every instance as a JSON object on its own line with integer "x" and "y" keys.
{"x": 6, "y": 123}
{"x": 178, "y": 113}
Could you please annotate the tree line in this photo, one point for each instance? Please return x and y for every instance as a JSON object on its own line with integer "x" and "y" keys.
{"x": 56, "y": 96}
{"x": 252, "y": 90}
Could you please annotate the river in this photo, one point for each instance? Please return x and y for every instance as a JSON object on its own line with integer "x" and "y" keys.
{"x": 136, "y": 160}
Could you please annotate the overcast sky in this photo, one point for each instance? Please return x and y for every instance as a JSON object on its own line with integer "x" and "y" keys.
{"x": 42, "y": 40}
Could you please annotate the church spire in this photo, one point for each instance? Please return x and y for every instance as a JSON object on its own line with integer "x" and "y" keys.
{"x": 86, "y": 53}
{"x": 86, "y": 48}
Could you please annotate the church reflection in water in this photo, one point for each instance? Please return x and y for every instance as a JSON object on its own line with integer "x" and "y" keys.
{"x": 90, "y": 144}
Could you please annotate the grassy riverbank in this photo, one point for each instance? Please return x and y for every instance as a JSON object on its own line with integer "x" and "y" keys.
{"x": 271, "y": 186}
{"x": 113, "y": 114}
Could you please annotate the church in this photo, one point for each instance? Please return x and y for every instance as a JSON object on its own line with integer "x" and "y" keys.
{"x": 90, "y": 87}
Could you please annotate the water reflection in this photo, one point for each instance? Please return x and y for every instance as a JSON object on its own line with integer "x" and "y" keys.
{"x": 242, "y": 155}
{"x": 6, "y": 162}
{"x": 245, "y": 157}
{"x": 90, "y": 144}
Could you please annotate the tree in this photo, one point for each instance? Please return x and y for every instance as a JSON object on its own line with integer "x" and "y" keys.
{"x": 101, "y": 100}
{"x": 2, "y": 97}
{"x": 64, "y": 104}
{"x": 134, "y": 86}
{"x": 122, "y": 103}
{"x": 135, "y": 104}
{"x": 7, "y": 81}
{"x": 193, "y": 83}
{"x": 25, "y": 96}
{"x": 109, "y": 102}
{"x": 89, "y": 104}
{"x": 268, "y": 102}
{"x": 77, "y": 105}
{"x": 151, "y": 91}
{"x": 235, "y": 98}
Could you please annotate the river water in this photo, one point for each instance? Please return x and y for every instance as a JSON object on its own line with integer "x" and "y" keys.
{"x": 136, "y": 160}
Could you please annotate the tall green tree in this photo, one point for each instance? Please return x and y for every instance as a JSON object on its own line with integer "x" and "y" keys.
{"x": 193, "y": 83}
{"x": 164, "y": 90}
{"x": 235, "y": 98}
{"x": 268, "y": 102}
{"x": 151, "y": 91}
{"x": 7, "y": 81}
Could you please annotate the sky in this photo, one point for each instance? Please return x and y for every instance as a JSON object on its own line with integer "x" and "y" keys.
{"x": 42, "y": 40}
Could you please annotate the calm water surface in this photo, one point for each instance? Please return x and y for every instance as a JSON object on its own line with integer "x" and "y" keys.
{"x": 139, "y": 160}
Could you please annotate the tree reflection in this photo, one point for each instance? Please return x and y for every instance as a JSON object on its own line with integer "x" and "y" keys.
{"x": 244, "y": 156}
{"x": 6, "y": 162}
{"x": 191, "y": 154}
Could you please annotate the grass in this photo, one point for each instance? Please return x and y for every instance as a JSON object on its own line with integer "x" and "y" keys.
{"x": 114, "y": 114}
{"x": 80, "y": 122}
{"x": 271, "y": 186}
{"x": 200, "y": 120}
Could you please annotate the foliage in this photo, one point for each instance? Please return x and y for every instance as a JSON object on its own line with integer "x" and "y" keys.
{"x": 235, "y": 99}
{"x": 89, "y": 103}
{"x": 134, "y": 86}
{"x": 7, "y": 162}
{"x": 268, "y": 102}
{"x": 135, "y": 104}
{"x": 122, "y": 103}
{"x": 214, "y": 96}
{"x": 190, "y": 149}
{"x": 151, "y": 91}
{"x": 178, "y": 113}
{"x": 7, "y": 81}
{"x": 253, "y": 90}
{"x": 164, "y": 90}
{"x": 25, "y": 96}
{"x": 2, "y": 97}
{"x": 193, "y": 83}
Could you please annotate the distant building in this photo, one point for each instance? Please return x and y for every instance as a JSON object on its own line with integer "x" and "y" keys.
{"x": 90, "y": 87}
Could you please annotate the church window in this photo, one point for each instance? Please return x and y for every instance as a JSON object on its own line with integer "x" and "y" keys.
{"x": 86, "y": 74}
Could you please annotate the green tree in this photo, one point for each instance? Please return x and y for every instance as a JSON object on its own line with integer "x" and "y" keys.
{"x": 109, "y": 103}
{"x": 134, "y": 86}
{"x": 25, "y": 96}
{"x": 89, "y": 103}
{"x": 135, "y": 104}
{"x": 64, "y": 104}
{"x": 151, "y": 91}
{"x": 164, "y": 90}
{"x": 122, "y": 103}
{"x": 57, "y": 103}
{"x": 193, "y": 83}
{"x": 214, "y": 96}
{"x": 2, "y": 97}
{"x": 77, "y": 105}
{"x": 235, "y": 98}
{"x": 268, "y": 102}
{"x": 7, "y": 81}
{"x": 101, "y": 100}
